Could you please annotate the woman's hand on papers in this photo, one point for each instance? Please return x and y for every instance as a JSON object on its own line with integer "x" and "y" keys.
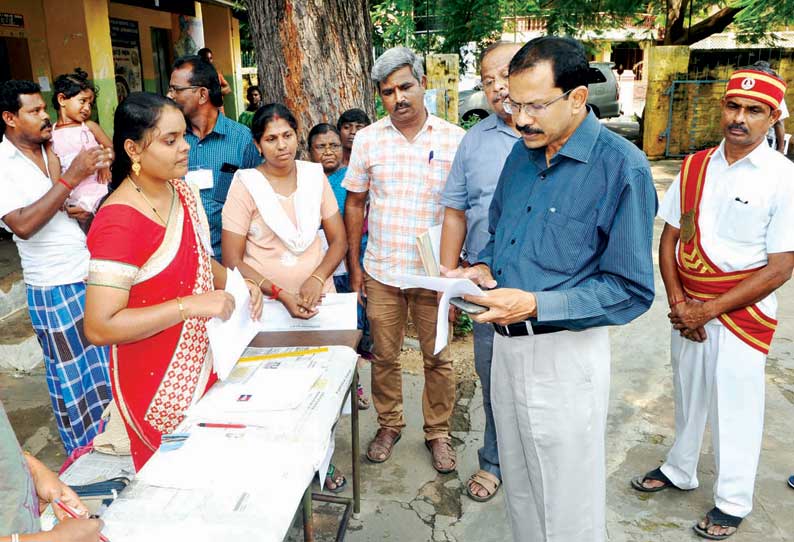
{"x": 294, "y": 308}
{"x": 256, "y": 300}
{"x": 208, "y": 305}
{"x": 310, "y": 294}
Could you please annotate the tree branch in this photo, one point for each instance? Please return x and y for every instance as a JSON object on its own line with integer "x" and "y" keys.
{"x": 705, "y": 28}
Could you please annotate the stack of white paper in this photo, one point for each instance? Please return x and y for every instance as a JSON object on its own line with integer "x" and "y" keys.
{"x": 336, "y": 312}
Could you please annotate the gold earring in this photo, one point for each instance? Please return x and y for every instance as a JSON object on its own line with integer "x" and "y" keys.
{"x": 136, "y": 168}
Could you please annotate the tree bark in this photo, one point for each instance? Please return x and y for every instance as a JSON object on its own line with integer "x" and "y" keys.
{"x": 314, "y": 56}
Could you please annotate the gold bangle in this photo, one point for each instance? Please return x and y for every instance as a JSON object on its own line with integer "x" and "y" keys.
{"x": 181, "y": 308}
{"x": 252, "y": 281}
{"x": 259, "y": 284}
{"x": 319, "y": 278}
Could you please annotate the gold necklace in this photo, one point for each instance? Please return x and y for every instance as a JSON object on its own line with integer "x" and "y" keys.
{"x": 143, "y": 195}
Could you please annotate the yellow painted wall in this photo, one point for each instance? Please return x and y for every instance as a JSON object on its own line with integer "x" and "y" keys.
{"x": 663, "y": 65}
{"x": 219, "y": 35}
{"x": 35, "y": 32}
{"x": 147, "y": 19}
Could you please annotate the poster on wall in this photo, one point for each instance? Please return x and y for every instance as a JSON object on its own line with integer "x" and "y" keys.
{"x": 126, "y": 42}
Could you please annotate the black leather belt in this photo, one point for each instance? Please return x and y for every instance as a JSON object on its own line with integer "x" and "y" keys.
{"x": 519, "y": 329}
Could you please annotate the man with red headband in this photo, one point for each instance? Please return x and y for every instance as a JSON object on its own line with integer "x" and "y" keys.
{"x": 726, "y": 247}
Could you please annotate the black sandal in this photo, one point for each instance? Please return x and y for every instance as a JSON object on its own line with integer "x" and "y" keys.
{"x": 340, "y": 484}
{"x": 718, "y": 518}
{"x": 656, "y": 475}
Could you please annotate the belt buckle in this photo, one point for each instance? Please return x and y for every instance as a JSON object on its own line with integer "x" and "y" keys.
{"x": 504, "y": 331}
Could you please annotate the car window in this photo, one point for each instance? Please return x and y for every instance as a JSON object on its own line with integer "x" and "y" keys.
{"x": 596, "y": 76}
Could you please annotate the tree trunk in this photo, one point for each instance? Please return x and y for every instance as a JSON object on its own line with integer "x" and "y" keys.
{"x": 314, "y": 56}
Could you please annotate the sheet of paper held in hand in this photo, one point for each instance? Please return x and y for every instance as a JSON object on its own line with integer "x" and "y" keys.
{"x": 449, "y": 288}
{"x": 337, "y": 312}
{"x": 229, "y": 339}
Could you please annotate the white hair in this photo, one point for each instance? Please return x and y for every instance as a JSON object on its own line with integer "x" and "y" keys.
{"x": 394, "y": 59}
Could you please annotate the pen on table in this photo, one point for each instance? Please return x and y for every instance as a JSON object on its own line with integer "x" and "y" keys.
{"x": 210, "y": 425}
{"x": 74, "y": 515}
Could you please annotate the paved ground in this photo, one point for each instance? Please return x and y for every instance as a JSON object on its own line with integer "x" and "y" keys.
{"x": 406, "y": 500}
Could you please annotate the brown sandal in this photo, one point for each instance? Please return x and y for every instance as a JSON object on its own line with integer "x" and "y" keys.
{"x": 487, "y": 481}
{"x": 382, "y": 444}
{"x": 442, "y": 453}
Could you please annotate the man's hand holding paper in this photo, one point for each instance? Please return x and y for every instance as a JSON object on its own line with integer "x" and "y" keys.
{"x": 505, "y": 305}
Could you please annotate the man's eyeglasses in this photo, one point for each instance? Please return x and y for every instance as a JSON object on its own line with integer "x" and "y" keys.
{"x": 328, "y": 147}
{"x": 531, "y": 109}
{"x": 175, "y": 88}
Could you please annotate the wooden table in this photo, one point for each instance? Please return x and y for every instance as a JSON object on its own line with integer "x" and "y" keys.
{"x": 326, "y": 338}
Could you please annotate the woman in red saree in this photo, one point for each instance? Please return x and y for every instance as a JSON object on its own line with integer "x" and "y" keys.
{"x": 152, "y": 281}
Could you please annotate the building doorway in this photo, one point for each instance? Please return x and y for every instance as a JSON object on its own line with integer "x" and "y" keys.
{"x": 161, "y": 51}
{"x": 15, "y": 59}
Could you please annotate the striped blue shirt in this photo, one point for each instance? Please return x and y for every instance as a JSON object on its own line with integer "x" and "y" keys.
{"x": 228, "y": 143}
{"x": 577, "y": 233}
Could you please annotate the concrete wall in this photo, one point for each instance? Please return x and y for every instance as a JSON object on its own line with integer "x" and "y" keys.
{"x": 695, "y": 120}
{"x": 35, "y": 32}
{"x": 83, "y": 39}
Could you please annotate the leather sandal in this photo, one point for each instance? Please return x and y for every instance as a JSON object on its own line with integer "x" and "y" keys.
{"x": 442, "y": 453}
{"x": 717, "y": 518}
{"x": 382, "y": 444}
{"x": 487, "y": 481}
{"x": 655, "y": 475}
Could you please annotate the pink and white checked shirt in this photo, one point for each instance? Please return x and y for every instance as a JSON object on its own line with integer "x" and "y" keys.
{"x": 405, "y": 180}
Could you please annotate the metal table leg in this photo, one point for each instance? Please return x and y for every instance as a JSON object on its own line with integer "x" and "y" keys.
{"x": 355, "y": 445}
{"x": 308, "y": 519}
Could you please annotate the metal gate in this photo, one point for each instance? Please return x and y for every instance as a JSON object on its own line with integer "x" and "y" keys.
{"x": 690, "y": 123}
{"x": 693, "y": 116}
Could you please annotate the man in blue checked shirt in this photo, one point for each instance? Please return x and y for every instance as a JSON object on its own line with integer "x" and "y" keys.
{"x": 218, "y": 145}
{"x": 569, "y": 254}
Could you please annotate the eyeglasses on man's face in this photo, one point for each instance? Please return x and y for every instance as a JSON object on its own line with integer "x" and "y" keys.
{"x": 531, "y": 109}
{"x": 177, "y": 88}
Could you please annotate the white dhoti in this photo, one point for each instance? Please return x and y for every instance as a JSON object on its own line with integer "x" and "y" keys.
{"x": 550, "y": 395}
{"x": 723, "y": 379}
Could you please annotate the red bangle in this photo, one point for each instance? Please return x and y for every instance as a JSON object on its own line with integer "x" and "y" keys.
{"x": 274, "y": 291}
{"x": 67, "y": 185}
{"x": 677, "y": 302}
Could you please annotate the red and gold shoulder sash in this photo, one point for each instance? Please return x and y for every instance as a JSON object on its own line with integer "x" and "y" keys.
{"x": 701, "y": 278}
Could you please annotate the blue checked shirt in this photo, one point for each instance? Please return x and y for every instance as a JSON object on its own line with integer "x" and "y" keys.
{"x": 229, "y": 143}
{"x": 577, "y": 233}
{"x": 473, "y": 177}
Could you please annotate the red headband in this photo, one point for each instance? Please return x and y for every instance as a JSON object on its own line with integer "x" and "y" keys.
{"x": 756, "y": 85}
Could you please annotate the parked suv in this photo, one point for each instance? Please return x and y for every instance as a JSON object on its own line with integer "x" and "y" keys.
{"x": 604, "y": 95}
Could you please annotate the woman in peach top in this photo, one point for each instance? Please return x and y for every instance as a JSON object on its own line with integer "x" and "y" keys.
{"x": 272, "y": 216}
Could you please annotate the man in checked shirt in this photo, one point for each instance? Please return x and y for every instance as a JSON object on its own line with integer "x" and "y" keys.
{"x": 401, "y": 162}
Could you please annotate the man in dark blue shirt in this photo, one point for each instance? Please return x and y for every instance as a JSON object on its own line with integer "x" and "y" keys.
{"x": 218, "y": 145}
{"x": 571, "y": 227}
